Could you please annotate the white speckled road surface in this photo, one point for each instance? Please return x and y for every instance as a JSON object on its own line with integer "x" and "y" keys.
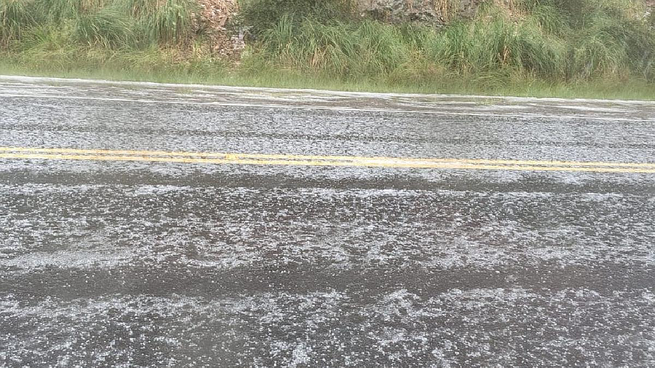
{"x": 187, "y": 226}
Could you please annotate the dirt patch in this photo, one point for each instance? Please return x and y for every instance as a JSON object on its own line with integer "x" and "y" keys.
{"x": 215, "y": 16}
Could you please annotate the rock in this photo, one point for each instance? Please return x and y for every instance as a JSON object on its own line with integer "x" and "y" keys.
{"x": 400, "y": 10}
{"x": 425, "y": 11}
{"x": 214, "y": 17}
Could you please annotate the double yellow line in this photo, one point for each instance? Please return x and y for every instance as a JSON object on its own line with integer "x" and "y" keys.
{"x": 30, "y": 153}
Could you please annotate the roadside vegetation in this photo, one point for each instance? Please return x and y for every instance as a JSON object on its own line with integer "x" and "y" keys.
{"x": 586, "y": 48}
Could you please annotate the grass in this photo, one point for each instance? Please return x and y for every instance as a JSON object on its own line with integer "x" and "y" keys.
{"x": 541, "y": 42}
{"x": 262, "y": 15}
{"x": 543, "y": 48}
{"x": 15, "y": 18}
{"x": 106, "y": 27}
{"x": 163, "y": 66}
{"x": 133, "y": 24}
{"x": 170, "y": 22}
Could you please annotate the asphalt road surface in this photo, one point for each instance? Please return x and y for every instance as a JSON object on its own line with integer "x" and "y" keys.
{"x": 189, "y": 226}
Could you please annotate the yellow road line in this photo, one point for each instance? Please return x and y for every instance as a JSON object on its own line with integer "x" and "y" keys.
{"x": 348, "y": 159}
{"x": 395, "y": 163}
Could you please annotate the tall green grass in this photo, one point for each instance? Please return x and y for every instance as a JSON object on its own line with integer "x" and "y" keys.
{"x": 140, "y": 8}
{"x": 171, "y": 22}
{"x": 498, "y": 44}
{"x": 106, "y": 27}
{"x": 338, "y": 49}
{"x": 134, "y": 24}
{"x": 16, "y": 16}
{"x": 263, "y": 15}
{"x": 611, "y": 45}
{"x": 536, "y": 38}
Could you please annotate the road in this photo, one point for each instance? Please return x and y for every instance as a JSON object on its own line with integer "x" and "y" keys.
{"x": 161, "y": 225}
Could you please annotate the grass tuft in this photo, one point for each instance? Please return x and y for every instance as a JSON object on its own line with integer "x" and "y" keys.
{"x": 172, "y": 21}
{"x": 139, "y": 8}
{"x": 16, "y": 16}
{"x": 264, "y": 15}
{"x": 106, "y": 27}
{"x": 339, "y": 49}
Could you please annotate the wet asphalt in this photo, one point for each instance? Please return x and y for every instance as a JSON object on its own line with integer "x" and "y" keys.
{"x": 160, "y": 264}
